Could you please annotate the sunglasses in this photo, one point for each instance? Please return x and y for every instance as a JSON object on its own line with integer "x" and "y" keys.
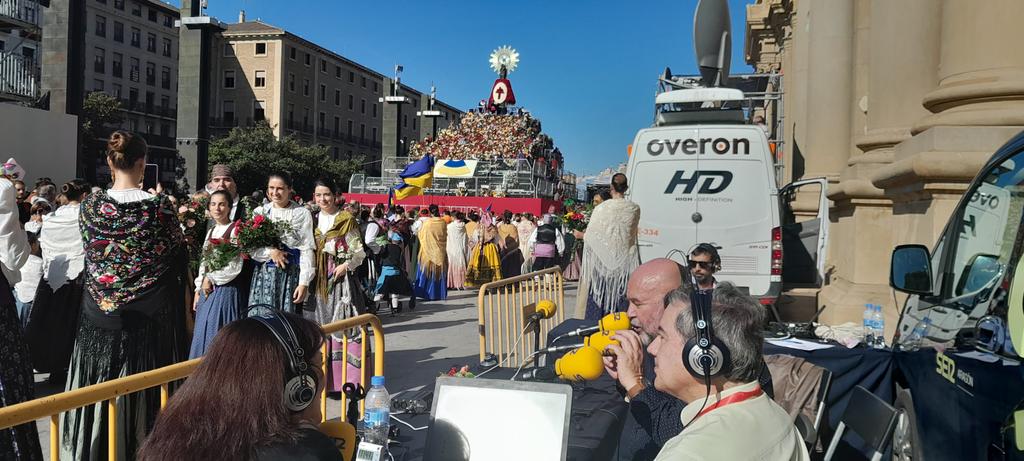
{"x": 708, "y": 265}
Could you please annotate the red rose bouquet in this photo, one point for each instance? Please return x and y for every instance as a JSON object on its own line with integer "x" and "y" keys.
{"x": 219, "y": 254}
{"x": 260, "y": 232}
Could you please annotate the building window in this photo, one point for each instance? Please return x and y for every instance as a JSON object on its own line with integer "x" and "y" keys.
{"x": 116, "y": 65}
{"x": 229, "y": 112}
{"x": 323, "y": 93}
{"x": 133, "y": 71}
{"x": 291, "y": 114}
{"x": 133, "y": 124}
{"x": 152, "y": 15}
{"x": 150, "y": 100}
{"x": 151, "y": 43}
{"x": 337, "y": 126}
{"x": 136, "y": 9}
{"x": 165, "y": 102}
{"x": 374, "y": 110}
{"x": 323, "y": 66}
{"x": 136, "y": 37}
{"x": 115, "y": 90}
{"x": 351, "y": 77}
{"x": 100, "y": 63}
{"x": 362, "y": 107}
{"x": 101, "y": 26}
{"x": 167, "y": 47}
{"x": 291, "y": 82}
{"x": 414, "y": 123}
{"x": 97, "y": 85}
{"x": 305, "y": 117}
{"x": 229, "y": 79}
{"x": 350, "y": 102}
{"x": 337, "y": 71}
{"x": 337, "y": 98}
{"x": 259, "y": 110}
{"x": 374, "y": 87}
{"x": 261, "y": 79}
{"x": 307, "y": 59}
{"x": 364, "y": 81}
{"x": 229, "y": 50}
{"x": 374, "y": 131}
{"x": 405, "y": 121}
{"x": 305, "y": 87}
{"x": 168, "y": 21}
{"x": 322, "y": 121}
{"x": 261, "y": 49}
{"x": 119, "y": 4}
{"x": 362, "y": 131}
{"x": 350, "y": 128}
{"x": 336, "y": 152}
{"x": 165, "y": 129}
{"x": 291, "y": 53}
{"x": 150, "y": 73}
{"x": 165, "y": 78}
{"x": 149, "y": 127}
{"x": 118, "y": 32}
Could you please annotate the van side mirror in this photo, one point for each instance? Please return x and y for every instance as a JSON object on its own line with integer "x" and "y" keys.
{"x": 979, "y": 273}
{"x": 911, "y": 269}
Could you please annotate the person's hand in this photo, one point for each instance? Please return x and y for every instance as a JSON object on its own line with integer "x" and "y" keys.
{"x": 578, "y": 234}
{"x": 279, "y": 257}
{"x": 610, "y": 366}
{"x": 340, "y": 271}
{"x": 300, "y": 294}
{"x": 629, "y": 357}
{"x": 195, "y": 301}
{"x": 207, "y": 286}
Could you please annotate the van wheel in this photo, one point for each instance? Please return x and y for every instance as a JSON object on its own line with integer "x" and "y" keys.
{"x": 906, "y": 444}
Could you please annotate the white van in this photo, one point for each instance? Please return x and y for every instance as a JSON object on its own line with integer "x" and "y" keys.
{"x": 700, "y": 174}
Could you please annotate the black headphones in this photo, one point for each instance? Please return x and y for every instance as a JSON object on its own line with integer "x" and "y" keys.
{"x": 300, "y": 382}
{"x": 704, "y": 356}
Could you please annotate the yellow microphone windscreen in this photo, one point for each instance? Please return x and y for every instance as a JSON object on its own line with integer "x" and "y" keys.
{"x": 583, "y": 364}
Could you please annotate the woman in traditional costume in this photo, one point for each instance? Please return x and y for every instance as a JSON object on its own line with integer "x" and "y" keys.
{"x": 339, "y": 252}
{"x": 484, "y": 263}
{"x": 132, "y": 318}
{"x": 456, "y": 249}
{"x": 432, "y": 260}
{"x": 525, "y": 227}
{"x": 511, "y": 252}
{"x": 393, "y": 281}
{"x": 19, "y": 443}
{"x": 282, "y": 277}
{"x": 220, "y": 293}
{"x": 54, "y": 319}
{"x": 610, "y": 254}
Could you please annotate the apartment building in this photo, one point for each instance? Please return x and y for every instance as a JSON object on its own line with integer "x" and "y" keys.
{"x": 131, "y": 49}
{"x": 304, "y": 90}
{"x": 20, "y": 32}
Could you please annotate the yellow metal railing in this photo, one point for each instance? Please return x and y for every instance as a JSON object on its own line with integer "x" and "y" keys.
{"x": 502, "y": 308}
{"x": 52, "y": 406}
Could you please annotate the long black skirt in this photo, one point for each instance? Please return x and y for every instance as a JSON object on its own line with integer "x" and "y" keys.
{"x": 52, "y": 325}
{"x": 20, "y": 442}
{"x": 143, "y": 342}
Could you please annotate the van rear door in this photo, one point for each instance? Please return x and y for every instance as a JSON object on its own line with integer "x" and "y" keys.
{"x": 804, "y": 243}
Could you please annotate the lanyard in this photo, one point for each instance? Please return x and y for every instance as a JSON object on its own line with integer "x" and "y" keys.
{"x": 731, "y": 399}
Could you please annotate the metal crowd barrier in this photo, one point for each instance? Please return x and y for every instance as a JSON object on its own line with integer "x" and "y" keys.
{"x": 52, "y": 406}
{"x": 502, "y": 308}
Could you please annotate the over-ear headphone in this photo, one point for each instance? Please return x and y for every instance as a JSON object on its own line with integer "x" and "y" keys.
{"x": 300, "y": 381}
{"x": 710, "y": 250}
{"x": 704, "y": 356}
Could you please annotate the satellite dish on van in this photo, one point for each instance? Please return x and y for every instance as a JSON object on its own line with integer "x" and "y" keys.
{"x": 712, "y": 41}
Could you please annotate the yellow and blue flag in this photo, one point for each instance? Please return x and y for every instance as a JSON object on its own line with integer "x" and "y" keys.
{"x": 414, "y": 178}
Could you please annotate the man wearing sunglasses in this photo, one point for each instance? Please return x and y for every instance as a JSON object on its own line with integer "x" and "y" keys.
{"x": 704, "y": 262}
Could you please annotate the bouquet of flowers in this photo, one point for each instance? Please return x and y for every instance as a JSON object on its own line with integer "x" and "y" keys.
{"x": 259, "y": 232}
{"x": 459, "y": 372}
{"x": 192, "y": 216}
{"x": 219, "y": 253}
{"x": 577, "y": 217}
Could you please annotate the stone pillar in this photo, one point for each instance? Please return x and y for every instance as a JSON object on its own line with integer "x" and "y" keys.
{"x": 829, "y": 78}
{"x": 63, "y": 65}
{"x": 794, "y": 64}
{"x": 391, "y": 131}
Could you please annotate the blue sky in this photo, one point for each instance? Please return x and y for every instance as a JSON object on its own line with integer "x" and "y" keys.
{"x": 588, "y": 69}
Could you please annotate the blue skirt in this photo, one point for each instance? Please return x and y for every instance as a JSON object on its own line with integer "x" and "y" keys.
{"x": 222, "y": 307}
{"x": 431, "y": 289}
{"x": 274, "y": 287}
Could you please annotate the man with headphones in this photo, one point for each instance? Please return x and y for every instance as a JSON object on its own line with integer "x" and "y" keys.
{"x": 704, "y": 262}
{"x": 709, "y": 354}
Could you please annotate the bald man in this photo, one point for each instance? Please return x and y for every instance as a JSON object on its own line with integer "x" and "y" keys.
{"x": 653, "y": 416}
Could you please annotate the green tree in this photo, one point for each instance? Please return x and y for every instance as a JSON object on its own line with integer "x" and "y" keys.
{"x": 100, "y": 113}
{"x": 254, "y": 153}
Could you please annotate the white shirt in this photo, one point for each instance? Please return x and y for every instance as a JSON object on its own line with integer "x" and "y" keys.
{"x": 325, "y": 221}
{"x": 300, "y": 237}
{"x": 559, "y": 240}
{"x": 370, "y": 236}
{"x": 62, "y": 246}
{"x": 14, "y": 249}
{"x": 128, "y": 195}
{"x": 31, "y": 272}
{"x": 752, "y": 429}
{"x": 226, "y": 274}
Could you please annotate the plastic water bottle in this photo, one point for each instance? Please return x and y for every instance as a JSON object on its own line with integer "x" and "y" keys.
{"x": 917, "y": 335}
{"x": 376, "y": 420}
{"x": 879, "y": 324}
{"x": 869, "y": 328}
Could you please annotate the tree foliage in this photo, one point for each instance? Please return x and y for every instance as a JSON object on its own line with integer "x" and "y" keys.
{"x": 254, "y": 153}
{"x": 100, "y": 112}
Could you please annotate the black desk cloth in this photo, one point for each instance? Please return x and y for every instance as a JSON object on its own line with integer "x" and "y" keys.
{"x": 597, "y": 410}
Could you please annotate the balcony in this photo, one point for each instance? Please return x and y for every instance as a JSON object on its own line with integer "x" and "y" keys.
{"x": 21, "y": 14}
{"x": 19, "y": 77}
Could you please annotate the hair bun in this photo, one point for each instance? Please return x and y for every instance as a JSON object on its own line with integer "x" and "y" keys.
{"x": 65, "y": 188}
{"x": 117, "y": 142}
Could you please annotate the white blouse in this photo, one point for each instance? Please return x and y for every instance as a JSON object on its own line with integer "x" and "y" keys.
{"x": 62, "y": 246}
{"x": 14, "y": 249}
{"x": 128, "y": 195}
{"x": 226, "y": 274}
{"x": 300, "y": 237}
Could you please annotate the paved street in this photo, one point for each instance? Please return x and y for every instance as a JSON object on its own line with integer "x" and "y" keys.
{"x": 419, "y": 345}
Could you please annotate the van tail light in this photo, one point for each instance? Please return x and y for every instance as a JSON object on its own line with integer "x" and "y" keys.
{"x": 777, "y": 251}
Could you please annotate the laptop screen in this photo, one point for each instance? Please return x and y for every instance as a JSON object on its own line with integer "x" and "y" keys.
{"x": 489, "y": 419}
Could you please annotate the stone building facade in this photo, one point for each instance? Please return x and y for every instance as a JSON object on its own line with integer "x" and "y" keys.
{"x": 899, "y": 104}
{"x": 301, "y": 89}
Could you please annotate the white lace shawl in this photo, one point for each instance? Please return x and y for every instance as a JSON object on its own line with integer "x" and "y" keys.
{"x": 610, "y": 252}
